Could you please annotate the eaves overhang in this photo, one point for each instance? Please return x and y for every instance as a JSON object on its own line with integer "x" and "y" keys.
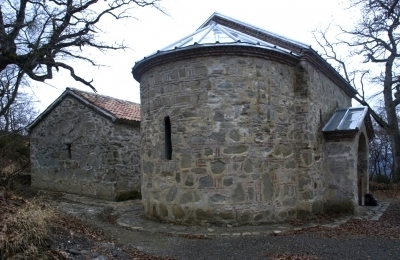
{"x": 347, "y": 122}
{"x": 216, "y": 49}
{"x": 317, "y": 61}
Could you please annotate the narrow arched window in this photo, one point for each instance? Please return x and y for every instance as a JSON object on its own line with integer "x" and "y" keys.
{"x": 69, "y": 151}
{"x": 167, "y": 139}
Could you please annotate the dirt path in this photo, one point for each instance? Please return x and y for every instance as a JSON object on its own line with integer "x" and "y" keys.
{"x": 354, "y": 239}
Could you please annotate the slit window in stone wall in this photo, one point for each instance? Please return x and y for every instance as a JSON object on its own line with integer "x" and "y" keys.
{"x": 167, "y": 139}
{"x": 69, "y": 151}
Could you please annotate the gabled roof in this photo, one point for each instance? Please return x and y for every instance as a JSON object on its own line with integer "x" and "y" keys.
{"x": 220, "y": 34}
{"x": 121, "y": 109}
{"x": 346, "y": 121}
{"x": 117, "y": 110}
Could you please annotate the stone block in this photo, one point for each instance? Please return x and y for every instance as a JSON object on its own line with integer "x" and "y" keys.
{"x": 163, "y": 210}
{"x": 228, "y": 181}
{"x": 201, "y": 71}
{"x": 248, "y": 166}
{"x": 171, "y": 195}
{"x": 238, "y": 194}
{"x": 199, "y": 170}
{"x": 206, "y": 182}
{"x": 267, "y": 187}
{"x": 186, "y": 197}
{"x": 189, "y": 180}
{"x": 218, "y": 198}
{"x": 236, "y": 149}
{"x": 202, "y": 214}
{"x": 224, "y": 86}
{"x": 217, "y": 167}
{"x": 227, "y": 215}
{"x": 177, "y": 211}
{"x": 234, "y": 135}
{"x": 218, "y": 137}
{"x": 186, "y": 161}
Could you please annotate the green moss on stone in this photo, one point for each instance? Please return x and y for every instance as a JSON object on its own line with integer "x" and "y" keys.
{"x": 343, "y": 207}
{"x": 128, "y": 195}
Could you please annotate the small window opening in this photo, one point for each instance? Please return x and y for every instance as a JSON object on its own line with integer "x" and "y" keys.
{"x": 167, "y": 139}
{"x": 69, "y": 151}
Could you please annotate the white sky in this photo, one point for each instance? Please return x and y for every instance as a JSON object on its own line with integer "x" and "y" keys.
{"x": 153, "y": 30}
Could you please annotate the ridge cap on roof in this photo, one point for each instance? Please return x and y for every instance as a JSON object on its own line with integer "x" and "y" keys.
{"x": 77, "y": 91}
{"x": 261, "y": 30}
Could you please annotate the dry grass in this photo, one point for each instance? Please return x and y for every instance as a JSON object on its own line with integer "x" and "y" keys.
{"x": 24, "y": 231}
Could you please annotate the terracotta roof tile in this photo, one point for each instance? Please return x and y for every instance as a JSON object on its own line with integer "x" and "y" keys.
{"x": 121, "y": 109}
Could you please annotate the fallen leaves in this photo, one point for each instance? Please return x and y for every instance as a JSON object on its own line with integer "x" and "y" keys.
{"x": 74, "y": 225}
{"x": 190, "y": 236}
{"x": 137, "y": 255}
{"x": 287, "y": 256}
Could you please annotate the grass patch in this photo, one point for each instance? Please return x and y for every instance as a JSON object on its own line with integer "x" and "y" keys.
{"x": 24, "y": 232}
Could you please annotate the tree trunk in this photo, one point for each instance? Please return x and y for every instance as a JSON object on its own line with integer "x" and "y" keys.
{"x": 393, "y": 124}
{"x": 395, "y": 141}
{"x": 6, "y": 122}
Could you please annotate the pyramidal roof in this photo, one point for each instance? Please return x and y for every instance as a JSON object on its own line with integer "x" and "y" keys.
{"x": 220, "y": 34}
{"x": 223, "y": 30}
{"x": 225, "y": 20}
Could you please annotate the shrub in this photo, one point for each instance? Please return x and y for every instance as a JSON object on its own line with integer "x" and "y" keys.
{"x": 382, "y": 179}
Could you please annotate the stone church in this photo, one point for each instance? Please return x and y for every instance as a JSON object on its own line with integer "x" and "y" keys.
{"x": 86, "y": 144}
{"x": 243, "y": 126}
{"x": 237, "y": 125}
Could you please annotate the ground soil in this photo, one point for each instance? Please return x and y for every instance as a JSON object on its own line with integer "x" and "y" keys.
{"x": 99, "y": 237}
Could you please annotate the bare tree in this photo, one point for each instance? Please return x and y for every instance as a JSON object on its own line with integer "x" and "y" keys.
{"x": 21, "y": 112}
{"x": 380, "y": 156}
{"x": 38, "y": 37}
{"x": 374, "y": 38}
{"x": 381, "y": 166}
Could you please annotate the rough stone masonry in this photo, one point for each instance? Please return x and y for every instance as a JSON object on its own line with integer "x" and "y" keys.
{"x": 246, "y": 139}
{"x": 231, "y": 129}
{"x": 75, "y": 149}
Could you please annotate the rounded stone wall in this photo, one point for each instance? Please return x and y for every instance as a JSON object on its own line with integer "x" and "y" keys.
{"x": 217, "y": 140}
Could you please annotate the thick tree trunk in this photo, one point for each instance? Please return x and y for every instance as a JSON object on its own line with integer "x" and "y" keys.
{"x": 395, "y": 142}
{"x": 393, "y": 124}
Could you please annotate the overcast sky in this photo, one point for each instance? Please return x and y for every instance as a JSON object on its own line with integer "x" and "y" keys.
{"x": 153, "y": 30}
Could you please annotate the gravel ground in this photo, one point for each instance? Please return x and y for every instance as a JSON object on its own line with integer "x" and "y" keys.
{"x": 97, "y": 237}
{"x": 349, "y": 242}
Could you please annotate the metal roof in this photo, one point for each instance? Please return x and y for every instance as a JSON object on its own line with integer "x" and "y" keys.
{"x": 346, "y": 119}
{"x": 221, "y": 33}
{"x": 214, "y": 33}
{"x": 255, "y": 28}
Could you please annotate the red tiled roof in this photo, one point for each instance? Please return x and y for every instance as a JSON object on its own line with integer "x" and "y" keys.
{"x": 121, "y": 109}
